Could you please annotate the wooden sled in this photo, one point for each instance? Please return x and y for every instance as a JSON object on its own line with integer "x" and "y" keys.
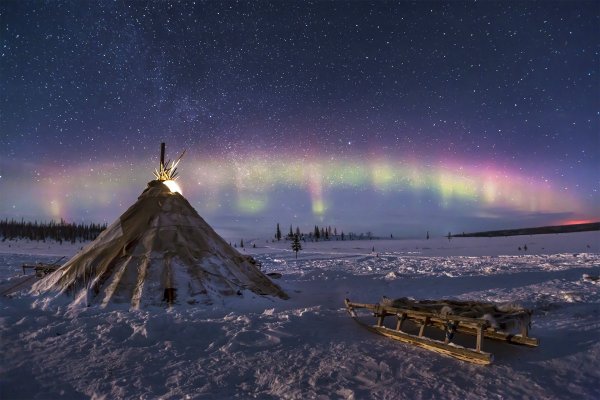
{"x": 43, "y": 269}
{"x": 40, "y": 269}
{"x": 421, "y": 317}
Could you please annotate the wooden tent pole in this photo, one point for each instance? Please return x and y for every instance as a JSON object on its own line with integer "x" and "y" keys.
{"x": 162, "y": 154}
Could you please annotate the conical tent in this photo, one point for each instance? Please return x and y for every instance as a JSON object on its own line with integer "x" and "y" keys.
{"x": 160, "y": 251}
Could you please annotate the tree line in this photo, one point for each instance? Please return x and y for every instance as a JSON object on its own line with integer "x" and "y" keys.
{"x": 42, "y": 231}
{"x": 320, "y": 233}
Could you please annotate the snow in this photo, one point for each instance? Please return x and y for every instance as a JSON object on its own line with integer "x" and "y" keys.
{"x": 308, "y": 346}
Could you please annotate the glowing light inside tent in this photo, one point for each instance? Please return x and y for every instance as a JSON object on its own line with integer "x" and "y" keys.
{"x": 173, "y": 186}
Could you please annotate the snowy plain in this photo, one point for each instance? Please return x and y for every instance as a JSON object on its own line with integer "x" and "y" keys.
{"x": 308, "y": 347}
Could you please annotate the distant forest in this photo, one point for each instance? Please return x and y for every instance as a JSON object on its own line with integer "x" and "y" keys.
{"x": 592, "y": 226}
{"x": 322, "y": 233}
{"x": 42, "y": 231}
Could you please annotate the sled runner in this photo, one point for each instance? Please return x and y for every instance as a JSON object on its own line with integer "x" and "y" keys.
{"x": 482, "y": 320}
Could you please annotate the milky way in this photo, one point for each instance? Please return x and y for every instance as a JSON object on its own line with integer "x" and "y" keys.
{"x": 394, "y": 118}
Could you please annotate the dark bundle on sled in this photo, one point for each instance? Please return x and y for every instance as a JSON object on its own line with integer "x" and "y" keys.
{"x": 506, "y": 317}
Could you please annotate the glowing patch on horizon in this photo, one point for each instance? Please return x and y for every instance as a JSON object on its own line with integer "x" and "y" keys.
{"x": 55, "y": 209}
{"x": 318, "y": 207}
{"x": 383, "y": 176}
{"x": 251, "y": 203}
{"x": 349, "y": 175}
{"x": 315, "y": 188}
{"x": 455, "y": 186}
{"x": 577, "y": 221}
{"x": 489, "y": 190}
{"x": 173, "y": 186}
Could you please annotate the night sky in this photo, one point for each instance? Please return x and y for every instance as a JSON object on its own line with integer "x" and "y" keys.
{"x": 389, "y": 117}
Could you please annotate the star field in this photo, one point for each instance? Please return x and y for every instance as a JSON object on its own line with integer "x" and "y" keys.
{"x": 374, "y": 116}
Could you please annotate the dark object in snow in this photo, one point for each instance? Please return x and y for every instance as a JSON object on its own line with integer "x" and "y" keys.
{"x": 274, "y": 275}
{"x": 483, "y": 320}
{"x": 170, "y": 295}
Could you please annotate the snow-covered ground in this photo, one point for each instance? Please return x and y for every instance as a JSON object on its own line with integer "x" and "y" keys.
{"x": 308, "y": 347}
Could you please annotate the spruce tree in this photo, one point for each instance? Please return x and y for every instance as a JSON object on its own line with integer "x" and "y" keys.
{"x": 296, "y": 245}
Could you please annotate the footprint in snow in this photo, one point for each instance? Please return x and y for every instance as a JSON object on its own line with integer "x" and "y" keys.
{"x": 253, "y": 339}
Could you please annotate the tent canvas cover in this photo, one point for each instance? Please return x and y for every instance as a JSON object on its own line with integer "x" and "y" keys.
{"x": 160, "y": 251}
